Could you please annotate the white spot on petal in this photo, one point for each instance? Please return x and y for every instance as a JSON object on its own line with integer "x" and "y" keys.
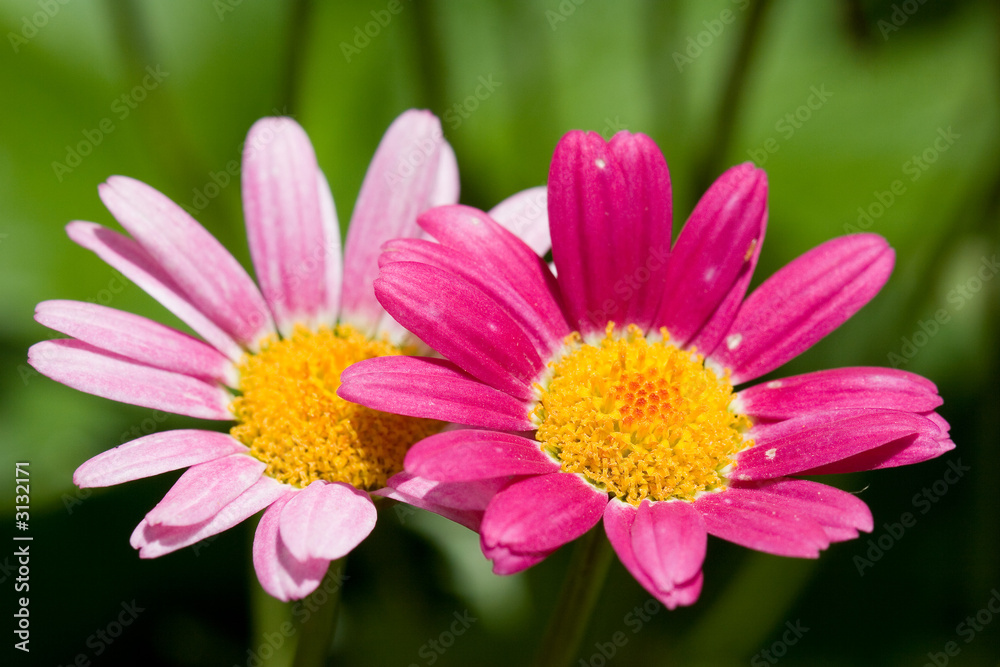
{"x": 601, "y": 164}
{"x": 775, "y": 384}
{"x": 770, "y": 453}
{"x": 710, "y": 273}
{"x": 733, "y": 341}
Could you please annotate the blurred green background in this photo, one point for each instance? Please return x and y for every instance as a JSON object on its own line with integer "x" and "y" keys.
{"x": 866, "y": 115}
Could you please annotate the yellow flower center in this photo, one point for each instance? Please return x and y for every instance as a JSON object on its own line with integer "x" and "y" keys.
{"x": 639, "y": 418}
{"x": 291, "y": 418}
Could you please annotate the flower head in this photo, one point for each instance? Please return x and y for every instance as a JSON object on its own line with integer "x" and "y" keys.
{"x": 270, "y": 358}
{"x": 617, "y": 391}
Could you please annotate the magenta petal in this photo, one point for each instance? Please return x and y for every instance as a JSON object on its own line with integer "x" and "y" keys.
{"x": 137, "y": 265}
{"x": 281, "y": 574}
{"x": 669, "y": 542}
{"x": 713, "y": 251}
{"x": 203, "y": 490}
{"x": 154, "y": 454}
{"x": 757, "y": 521}
{"x": 210, "y": 277}
{"x": 136, "y": 338}
{"x": 609, "y": 213}
{"x": 506, "y": 561}
{"x": 326, "y": 521}
{"x": 526, "y": 215}
{"x": 838, "y": 389}
{"x": 154, "y": 541}
{"x": 803, "y": 302}
{"x": 467, "y": 454}
{"x": 529, "y": 303}
{"x": 507, "y": 259}
{"x": 410, "y": 172}
{"x": 462, "y": 323}
{"x": 903, "y": 451}
{"x": 291, "y": 245}
{"x": 839, "y": 513}
{"x": 431, "y": 388}
{"x": 462, "y": 502}
{"x": 810, "y": 441}
{"x": 541, "y": 513}
{"x": 619, "y": 518}
{"x": 88, "y": 369}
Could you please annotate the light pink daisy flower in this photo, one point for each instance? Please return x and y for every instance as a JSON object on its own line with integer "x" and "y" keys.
{"x": 609, "y": 392}
{"x": 271, "y": 358}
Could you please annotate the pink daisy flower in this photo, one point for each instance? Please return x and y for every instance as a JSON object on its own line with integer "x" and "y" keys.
{"x": 614, "y": 391}
{"x": 270, "y": 359}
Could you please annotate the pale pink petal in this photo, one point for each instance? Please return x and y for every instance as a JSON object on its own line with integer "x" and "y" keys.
{"x": 542, "y": 513}
{"x": 501, "y": 254}
{"x": 469, "y": 454}
{"x": 619, "y": 518}
{"x": 431, "y": 388}
{"x": 754, "y": 520}
{"x": 813, "y": 440}
{"x": 609, "y": 213}
{"x": 137, "y": 265}
{"x": 530, "y": 303}
{"x": 136, "y": 338}
{"x": 86, "y": 368}
{"x": 210, "y": 277}
{"x": 839, "y": 513}
{"x": 526, "y": 215}
{"x": 838, "y": 389}
{"x": 409, "y": 173}
{"x": 462, "y": 323}
{"x": 713, "y": 251}
{"x": 280, "y": 573}
{"x": 154, "y": 454}
{"x": 446, "y": 184}
{"x": 334, "y": 256}
{"x": 803, "y": 302}
{"x": 203, "y": 490}
{"x": 284, "y": 209}
{"x": 154, "y": 541}
{"x": 669, "y": 542}
{"x": 461, "y": 502}
{"x": 326, "y": 520}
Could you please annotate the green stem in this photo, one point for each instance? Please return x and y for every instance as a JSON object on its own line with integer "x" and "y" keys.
{"x": 316, "y": 633}
{"x": 587, "y": 570}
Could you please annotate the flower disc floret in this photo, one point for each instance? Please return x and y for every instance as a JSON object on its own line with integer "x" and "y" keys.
{"x": 291, "y": 418}
{"x": 639, "y": 417}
